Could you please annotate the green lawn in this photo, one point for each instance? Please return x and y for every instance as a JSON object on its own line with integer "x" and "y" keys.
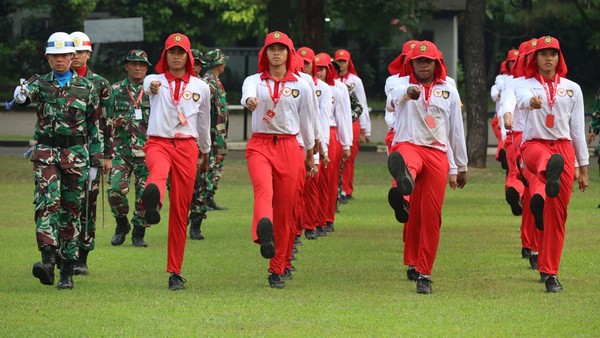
{"x": 351, "y": 283}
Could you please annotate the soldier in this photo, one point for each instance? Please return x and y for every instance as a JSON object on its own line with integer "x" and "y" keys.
{"x": 87, "y": 237}
{"x": 206, "y": 184}
{"x": 131, "y": 109}
{"x": 198, "y": 66}
{"x": 67, "y": 117}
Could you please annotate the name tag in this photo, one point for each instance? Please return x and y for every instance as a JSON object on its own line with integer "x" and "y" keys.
{"x": 138, "y": 114}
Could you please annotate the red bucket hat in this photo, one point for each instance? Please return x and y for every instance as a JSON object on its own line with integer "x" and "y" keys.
{"x": 176, "y": 39}
{"x": 426, "y": 49}
{"x": 342, "y": 54}
{"x": 272, "y": 38}
{"x": 324, "y": 60}
{"x": 397, "y": 66}
{"x": 546, "y": 42}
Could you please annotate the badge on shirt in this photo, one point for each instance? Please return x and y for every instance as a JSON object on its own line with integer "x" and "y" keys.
{"x": 268, "y": 116}
{"x": 286, "y": 91}
{"x": 570, "y": 92}
{"x": 182, "y": 118}
{"x": 549, "y": 121}
{"x": 138, "y": 114}
{"x": 295, "y": 93}
{"x": 318, "y": 92}
{"x": 445, "y": 94}
{"x": 196, "y": 97}
{"x": 430, "y": 121}
{"x": 187, "y": 95}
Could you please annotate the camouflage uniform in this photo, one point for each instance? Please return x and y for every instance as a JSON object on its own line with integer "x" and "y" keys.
{"x": 87, "y": 236}
{"x": 595, "y": 124}
{"x": 66, "y": 118}
{"x": 206, "y": 184}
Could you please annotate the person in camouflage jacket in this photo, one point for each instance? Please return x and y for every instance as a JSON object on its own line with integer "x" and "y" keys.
{"x": 87, "y": 236}
{"x": 206, "y": 184}
{"x": 68, "y": 113}
{"x": 131, "y": 110}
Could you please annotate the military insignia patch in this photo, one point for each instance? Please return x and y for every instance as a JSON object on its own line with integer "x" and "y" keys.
{"x": 286, "y": 91}
{"x": 196, "y": 97}
{"x": 560, "y": 92}
{"x": 59, "y": 44}
{"x": 412, "y": 45}
{"x": 445, "y": 94}
{"x": 277, "y": 35}
{"x": 177, "y": 38}
{"x": 570, "y": 92}
{"x": 548, "y": 40}
{"x": 295, "y": 93}
{"x": 423, "y": 48}
{"x": 303, "y": 52}
{"x": 77, "y": 42}
{"x": 317, "y": 59}
{"x": 437, "y": 92}
{"x": 533, "y": 43}
{"x": 187, "y": 95}
{"x": 318, "y": 92}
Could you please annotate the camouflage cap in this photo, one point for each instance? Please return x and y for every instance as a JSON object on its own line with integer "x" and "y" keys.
{"x": 197, "y": 54}
{"x": 214, "y": 58}
{"x": 137, "y": 55}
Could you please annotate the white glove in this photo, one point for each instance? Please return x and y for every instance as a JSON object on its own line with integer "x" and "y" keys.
{"x": 21, "y": 92}
{"x": 92, "y": 177}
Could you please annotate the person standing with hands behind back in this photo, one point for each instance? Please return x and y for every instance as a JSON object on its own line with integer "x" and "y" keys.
{"x": 179, "y": 125}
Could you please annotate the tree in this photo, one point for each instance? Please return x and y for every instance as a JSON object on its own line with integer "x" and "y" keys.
{"x": 312, "y": 24}
{"x": 476, "y": 86}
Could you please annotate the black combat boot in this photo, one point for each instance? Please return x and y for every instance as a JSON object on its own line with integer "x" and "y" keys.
{"x": 66, "y": 275}
{"x": 195, "y": 223}
{"x": 44, "y": 270}
{"x": 137, "y": 236}
{"x": 121, "y": 231}
{"x": 213, "y": 205}
{"x": 81, "y": 267}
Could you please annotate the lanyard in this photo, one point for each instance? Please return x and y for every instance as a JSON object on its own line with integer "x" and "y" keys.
{"x": 135, "y": 102}
{"x": 427, "y": 97}
{"x": 176, "y": 101}
{"x": 273, "y": 97}
{"x": 550, "y": 94}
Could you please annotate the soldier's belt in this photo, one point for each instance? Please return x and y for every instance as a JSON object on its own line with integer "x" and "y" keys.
{"x": 61, "y": 141}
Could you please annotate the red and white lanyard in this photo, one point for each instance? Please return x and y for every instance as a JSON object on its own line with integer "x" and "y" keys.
{"x": 139, "y": 98}
{"x": 176, "y": 100}
{"x": 274, "y": 97}
{"x": 427, "y": 98}
{"x": 550, "y": 94}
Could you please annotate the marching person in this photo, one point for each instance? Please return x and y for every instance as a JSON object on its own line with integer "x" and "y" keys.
{"x": 206, "y": 183}
{"x": 361, "y": 127}
{"x": 68, "y": 116}
{"x": 428, "y": 146}
{"x": 178, "y": 129}
{"x": 87, "y": 236}
{"x": 131, "y": 111}
{"x": 554, "y": 142}
{"x": 198, "y": 66}
{"x": 279, "y": 102}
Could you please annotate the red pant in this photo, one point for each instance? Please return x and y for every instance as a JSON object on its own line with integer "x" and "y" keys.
{"x": 331, "y": 176}
{"x": 511, "y": 146}
{"x": 273, "y": 167}
{"x": 536, "y": 154}
{"x": 498, "y": 134}
{"x": 177, "y": 158}
{"x": 298, "y": 208}
{"x": 429, "y": 168}
{"x": 312, "y": 203}
{"x": 348, "y": 171}
{"x": 530, "y": 235}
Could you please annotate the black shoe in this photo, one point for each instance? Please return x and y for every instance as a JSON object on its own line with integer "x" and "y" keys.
{"x": 80, "y": 267}
{"x": 310, "y": 234}
{"x": 343, "y": 199}
{"x": 554, "y": 168}
{"x": 195, "y": 225}
{"x": 294, "y": 249}
{"x": 399, "y": 204}
{"x": 502, "y": 159}
{"x": 525, "y": 253}
{"x": 552, "y": 284}
{"x": 397, "y": 167}
{"x": 264, "y": 231}
{"x": 292, "y": 267}
{"x": 533, "y": 261}
{"x": 514, "y": 200}
{"x": 321, "y": 231}
{"x": 424, "y": 285}
{"x": 412, "y": 274}
{"x": 544, "y": 276}
{"x": 297, "y": 240}
{"x": 122, "y": 229}
{"x": 276, "y": 281}
{"x": 151, "y": 200}
{"x": 329, "y": 227}
{"x": 537, "y": 210}
{"x": 137, "y": 237}
{"x": 176, "y": 282}
{"x": 66, "y": 275}
{"x": 214, "y": 206}
{"x": 44, "y": 270}
{"x": 287, "y": 274}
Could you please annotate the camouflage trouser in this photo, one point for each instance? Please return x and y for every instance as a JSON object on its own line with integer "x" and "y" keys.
{"x": 119, "y": 181}
{"x": 205, "y": 186}
{"x": 213, "y": 175}
{"x": 87, "y": 235}
{"x": 60, "y": 176}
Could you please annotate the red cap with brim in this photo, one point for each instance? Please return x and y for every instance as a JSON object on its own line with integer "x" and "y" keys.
{"x": 428, "y": 50}
{"x": 397, "y": 66}
{"x": 342, "y": 54}
{"x": 176, "y": 40}
{"x": 324, "y": 60}
{"x": 546, "y": 42}
{"x": 272, "y": 38}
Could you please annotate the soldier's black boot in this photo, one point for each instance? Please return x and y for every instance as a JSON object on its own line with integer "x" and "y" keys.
{"x": 212, "y": 204}
{"x": 121, "y": 231}
{"x": 195, "y": 232}
{"x": 44, "y": 270}
{"x": 81, "y": 267}
{"x": 66, "y": 275}
{"x": 137, "y": 236}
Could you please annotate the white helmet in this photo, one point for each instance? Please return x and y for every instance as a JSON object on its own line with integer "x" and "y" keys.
{"x": 82, "y": 41}
{"x": 60, "y": 43}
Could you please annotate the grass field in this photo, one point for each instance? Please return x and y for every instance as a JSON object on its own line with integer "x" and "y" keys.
{"x": 351, "y": 283}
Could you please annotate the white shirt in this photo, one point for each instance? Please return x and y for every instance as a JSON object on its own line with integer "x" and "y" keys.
{"x": 508, "y": 103}
{"x": 293, "y": 113}
{"x": 568, "y": 110}
{"x": 314, "y": 107}
{"x": 357, "y": 87}
{"x": 194, "y": 104}
{"x": 444, "y": 108}
{"x": 342, "y": 118}
{"x": 325, "y": 100}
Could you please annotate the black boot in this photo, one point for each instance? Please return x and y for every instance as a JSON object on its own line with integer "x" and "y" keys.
{"x": 44, "y": 270}
{"x": 195, "y": 232}
{"x": 121, "y": 231}
{"x": 66, "y": 275}
{"x": 137, "y": 236}
{"x": 213, "y": 205}
{"x": 81, "y": 267}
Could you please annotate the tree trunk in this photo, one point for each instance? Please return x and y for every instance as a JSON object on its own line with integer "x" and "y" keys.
{"x": 279, "y": 16}
{"x": 476, "y": 88}
{"x": 312, "y": 24}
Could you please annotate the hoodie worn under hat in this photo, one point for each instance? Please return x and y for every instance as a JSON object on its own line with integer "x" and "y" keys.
{"x": 546, "y": 42}
{"x": 525, "y": 49}
{"x": 426, "y": 49}
{"x": 174, "y": 40}
{"x": 342, "y": 54}
{"x": 397, "y": 66}
{"x": 512, "y": 55}
{"x": 263, "y": 61}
